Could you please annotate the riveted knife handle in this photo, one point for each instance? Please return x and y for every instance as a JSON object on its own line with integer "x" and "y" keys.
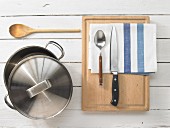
{"x": 100, "y": 70}
{"x": 115, "y": 90}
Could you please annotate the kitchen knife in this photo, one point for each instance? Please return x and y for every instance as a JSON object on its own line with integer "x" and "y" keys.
{"x": 114, "y": 67}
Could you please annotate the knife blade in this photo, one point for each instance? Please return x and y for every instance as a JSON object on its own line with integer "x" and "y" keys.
{"x": 114, "y": 66}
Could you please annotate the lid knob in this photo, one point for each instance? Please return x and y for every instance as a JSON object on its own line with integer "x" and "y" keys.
{"x": 38, "y": 88}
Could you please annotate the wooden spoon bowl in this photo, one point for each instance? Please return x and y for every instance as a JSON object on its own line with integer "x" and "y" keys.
{"x": 20, "y": 30}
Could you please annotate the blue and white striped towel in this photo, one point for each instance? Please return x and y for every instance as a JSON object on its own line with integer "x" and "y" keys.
{"x": 136, "y": 48}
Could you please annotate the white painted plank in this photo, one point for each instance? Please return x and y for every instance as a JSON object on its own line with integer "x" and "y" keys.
{"x": 163, "y": 26}
{"x": 75, "y": 72}
{"x": 160, "y": 78}
{"x": 2, "y": 66}
{"x": 43, "y": 22}
{"x": 64, "y": 22}
{"x": 76, "y": 7}
{"x": 80, "y": 119}
{"x": 157, "y": 98}
{"x": 72, "y": 48}
{"x": 77, "y": 118}
{"x": 163, "y": 52}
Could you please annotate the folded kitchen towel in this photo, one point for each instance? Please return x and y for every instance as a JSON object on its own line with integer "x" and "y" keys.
{"x": 136, "y": 49}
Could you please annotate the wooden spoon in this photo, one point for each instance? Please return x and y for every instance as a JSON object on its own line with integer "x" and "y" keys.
{"x": 20, "y": 30}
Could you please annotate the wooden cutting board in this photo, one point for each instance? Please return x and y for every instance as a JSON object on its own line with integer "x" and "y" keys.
{"x": 133, "y": 89}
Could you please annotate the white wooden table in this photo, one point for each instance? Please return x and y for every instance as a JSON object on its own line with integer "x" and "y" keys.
{"x": 68, "y": 14}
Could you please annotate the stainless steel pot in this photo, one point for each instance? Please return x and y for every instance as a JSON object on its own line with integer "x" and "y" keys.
{"x": 39, "y": 86}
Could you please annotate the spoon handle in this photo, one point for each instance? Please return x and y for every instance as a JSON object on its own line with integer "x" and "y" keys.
{"x": 56, "y": 30}
{"x": 100, "y": 70}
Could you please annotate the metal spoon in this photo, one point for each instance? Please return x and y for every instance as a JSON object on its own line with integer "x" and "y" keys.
{"x": 20, "y": 30}
{"x": 100, "y": 41}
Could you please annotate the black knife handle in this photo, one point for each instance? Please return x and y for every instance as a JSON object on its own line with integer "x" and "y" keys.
{"x": 115, "y": 90}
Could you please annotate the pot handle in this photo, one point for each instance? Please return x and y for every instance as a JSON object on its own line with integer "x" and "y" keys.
{"x": 58, "y": 46}
{"x": 7, "y": 102}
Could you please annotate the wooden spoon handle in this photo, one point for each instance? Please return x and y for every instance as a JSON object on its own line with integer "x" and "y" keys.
{"x": 57, "y": 30}
{"x": 100, "y": 70}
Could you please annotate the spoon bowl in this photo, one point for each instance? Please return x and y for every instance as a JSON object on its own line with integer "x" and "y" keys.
{"x": 100, "y": 39}
{"x": 20, "y": 30}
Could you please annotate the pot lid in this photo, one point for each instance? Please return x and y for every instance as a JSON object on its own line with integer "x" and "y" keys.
{"x": 40, "y": 87}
